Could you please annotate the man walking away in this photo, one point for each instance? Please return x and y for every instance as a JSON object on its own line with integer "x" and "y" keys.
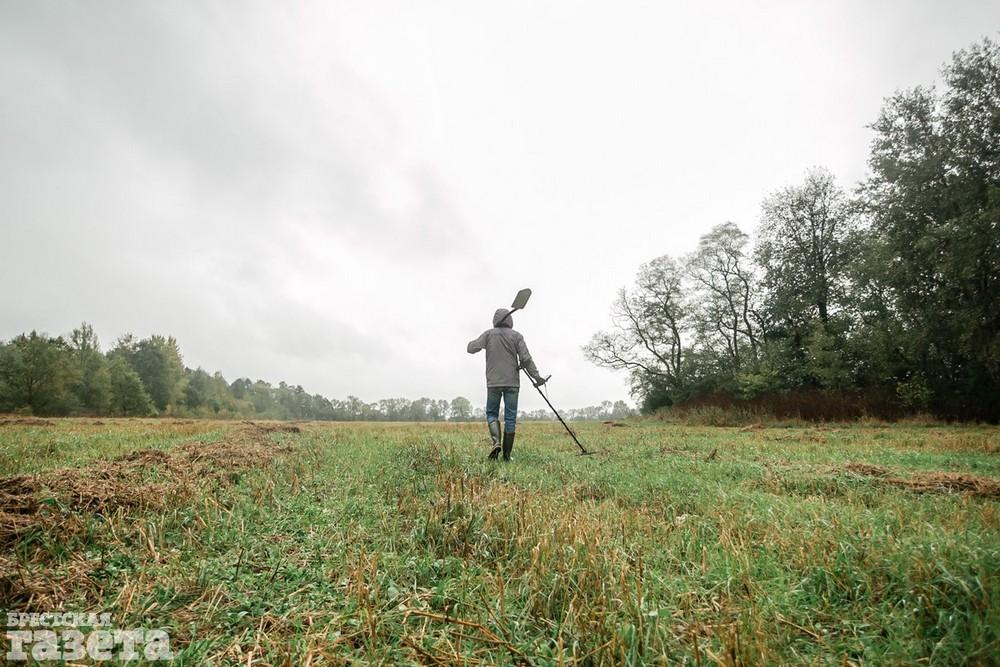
{"x": 506, "y": 354}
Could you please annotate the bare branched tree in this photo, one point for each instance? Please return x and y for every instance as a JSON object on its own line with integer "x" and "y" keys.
{"x": 648, "y": 326}
{"x": 727, "y": 313}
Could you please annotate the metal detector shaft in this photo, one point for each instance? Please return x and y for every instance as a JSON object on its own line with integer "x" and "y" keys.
{"x": 583, "y": 450}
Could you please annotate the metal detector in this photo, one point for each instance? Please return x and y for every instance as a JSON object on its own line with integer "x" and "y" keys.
{"x": 583, "y": 450}
{"x": 520, "y": 301}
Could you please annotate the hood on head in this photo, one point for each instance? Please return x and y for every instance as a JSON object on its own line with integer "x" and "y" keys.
{"x": 502, "y": 314}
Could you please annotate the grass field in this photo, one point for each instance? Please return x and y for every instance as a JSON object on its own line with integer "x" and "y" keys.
{"x": 384, "y": 543}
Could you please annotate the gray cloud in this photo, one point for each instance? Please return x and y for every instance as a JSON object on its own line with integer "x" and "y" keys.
{"x": 339, "y": 195}
{"x": 225, "y": 121}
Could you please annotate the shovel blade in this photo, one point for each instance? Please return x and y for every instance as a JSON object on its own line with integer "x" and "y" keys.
{"x": 521, "y": 300}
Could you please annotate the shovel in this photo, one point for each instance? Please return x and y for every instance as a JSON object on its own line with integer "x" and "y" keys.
{"x": 520, "y": 301}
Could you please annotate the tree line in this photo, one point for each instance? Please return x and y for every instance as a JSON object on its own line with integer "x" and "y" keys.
{"x": 71, "y": 375}
{"x": 884, "y": 298}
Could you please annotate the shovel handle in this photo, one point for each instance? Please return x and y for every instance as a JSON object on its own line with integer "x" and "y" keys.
{"x": 509, "y": 313}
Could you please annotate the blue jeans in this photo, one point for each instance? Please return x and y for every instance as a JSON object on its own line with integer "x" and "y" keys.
{"x": 509, "y": 395}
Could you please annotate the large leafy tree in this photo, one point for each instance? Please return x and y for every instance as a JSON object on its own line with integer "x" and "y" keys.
{"x": 127, "y": 395}
{"x": 394, "y": 409}
{"x": 158, "y": 362}
{"x": 90, "y": 382}
{"x": 198, "y": 389}
{"x": 934, "y": 198}
{"x": 460, "y": 409}
{"x": 35, "y": 373}
{"x": 805, "y": 245}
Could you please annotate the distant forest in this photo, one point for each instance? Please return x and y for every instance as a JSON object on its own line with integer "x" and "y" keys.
{"x": 65, "y": 376}
{"x": 883, "y": 300}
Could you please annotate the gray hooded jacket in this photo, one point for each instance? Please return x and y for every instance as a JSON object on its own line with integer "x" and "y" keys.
{"x": 505, "y": 352}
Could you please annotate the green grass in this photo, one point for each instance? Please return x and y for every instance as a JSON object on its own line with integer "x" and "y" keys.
{"x": 387, "y": 543}
{"x": 72, "y": 442}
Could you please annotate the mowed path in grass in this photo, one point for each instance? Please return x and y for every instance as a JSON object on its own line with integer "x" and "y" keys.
{"x": 399, "y": 543}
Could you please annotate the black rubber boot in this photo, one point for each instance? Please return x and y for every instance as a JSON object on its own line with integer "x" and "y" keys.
{"x": 508, "y": 444}
{"x": 495, "y": 437}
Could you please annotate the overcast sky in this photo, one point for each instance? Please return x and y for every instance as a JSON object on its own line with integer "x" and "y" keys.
{"x": 339, "y": 194}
